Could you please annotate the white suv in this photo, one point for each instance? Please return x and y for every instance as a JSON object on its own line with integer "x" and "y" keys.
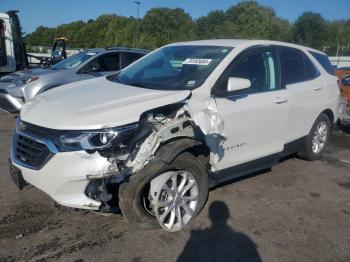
{"x": 150, "y": 140}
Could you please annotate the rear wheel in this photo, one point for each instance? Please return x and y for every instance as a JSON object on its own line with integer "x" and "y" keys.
{"x": 317, "y": 139}
{"x": 166, "y": 195}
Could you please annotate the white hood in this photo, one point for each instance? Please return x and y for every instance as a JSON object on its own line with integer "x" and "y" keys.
{"x": 95, "y": 104}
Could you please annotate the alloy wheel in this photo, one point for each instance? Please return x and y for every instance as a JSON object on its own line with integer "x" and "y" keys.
{"x": 320, "y": 137}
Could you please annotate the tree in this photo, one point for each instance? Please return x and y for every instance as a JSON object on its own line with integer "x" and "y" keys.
{"x": 254, "y": 21}
{"x": 311, "y": 29}
{"x": 215, "y": 25}
{"x": 41, "y": 36}
{"x": 167, "y": 25}
{"x": 339, "y": 38}
{"x": 161, "y": 26}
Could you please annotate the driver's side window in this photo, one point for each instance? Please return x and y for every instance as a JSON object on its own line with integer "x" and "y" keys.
{"x": 104, "y": 63}
{"x": 258, "y": 65}
{"x": 93, "y": 66}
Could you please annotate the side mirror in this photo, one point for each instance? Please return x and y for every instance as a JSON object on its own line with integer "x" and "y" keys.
{"x": 237, "y": 83}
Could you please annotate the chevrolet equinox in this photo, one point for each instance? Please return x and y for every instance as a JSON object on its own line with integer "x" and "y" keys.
{"x": 151, "y": 140}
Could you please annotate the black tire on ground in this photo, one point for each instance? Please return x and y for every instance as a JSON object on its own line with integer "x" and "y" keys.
{"x": 307, "y": 153}
{"x": 131, "y": 191}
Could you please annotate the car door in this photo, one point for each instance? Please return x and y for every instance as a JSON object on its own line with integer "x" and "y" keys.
{"x": 254, "y": 118}
{"x": 102, "y": 65}
{"x": 306, "y": 91}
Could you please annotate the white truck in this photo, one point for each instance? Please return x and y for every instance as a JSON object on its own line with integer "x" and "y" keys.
{"x": 13, "y": 54}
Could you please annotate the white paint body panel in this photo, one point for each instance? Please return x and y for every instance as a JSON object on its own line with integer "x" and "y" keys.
{"x": 250, "y": 134}
{"x": 64, "y": 177}
{"x": 306, "y": 102}
{"x": 95, "y": 104}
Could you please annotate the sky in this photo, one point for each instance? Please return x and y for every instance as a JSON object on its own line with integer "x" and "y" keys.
{"x": 51, "y": 13}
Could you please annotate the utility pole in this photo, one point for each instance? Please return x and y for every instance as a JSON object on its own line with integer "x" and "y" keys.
{"x": 137, "y": 22}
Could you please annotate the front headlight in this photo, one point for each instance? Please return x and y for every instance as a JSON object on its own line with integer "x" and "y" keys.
{"x": 94, "y": 140}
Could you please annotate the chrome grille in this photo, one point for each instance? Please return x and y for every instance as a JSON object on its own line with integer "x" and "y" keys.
{"x": 31, "y": 146}
{"x": 30, "y": 152}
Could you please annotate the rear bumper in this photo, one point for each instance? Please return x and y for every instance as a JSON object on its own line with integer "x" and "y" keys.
{"x": 10, "y": 104}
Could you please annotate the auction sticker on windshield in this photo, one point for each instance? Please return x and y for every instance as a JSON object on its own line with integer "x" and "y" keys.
{"x": 197, "y": 61}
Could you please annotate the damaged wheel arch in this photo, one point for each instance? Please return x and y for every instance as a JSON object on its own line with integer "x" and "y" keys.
{"x": 163, "y": 134}
{"x": 134, "y": 194}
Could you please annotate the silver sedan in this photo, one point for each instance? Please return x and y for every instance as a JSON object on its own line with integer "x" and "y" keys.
{"x": 22, "y": 86}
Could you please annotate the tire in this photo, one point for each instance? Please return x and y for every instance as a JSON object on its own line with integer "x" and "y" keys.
{"x": 309, "y": 153}
{"x": 132, "y": 192}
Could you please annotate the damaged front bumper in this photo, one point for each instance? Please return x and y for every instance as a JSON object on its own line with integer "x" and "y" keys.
{"x": 66, "y": 176}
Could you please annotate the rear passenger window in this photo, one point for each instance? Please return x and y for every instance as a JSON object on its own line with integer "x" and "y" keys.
{"x": 324, "y": 61}
{"x": 110, "y": 62}
{"x": 132, "y": 57}
{"x": 296, "y": 66}
{"x": 292, "y": 65}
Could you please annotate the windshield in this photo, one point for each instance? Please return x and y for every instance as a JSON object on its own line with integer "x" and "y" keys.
{"x": 73, "y": 61}
{"x": 174, "y": 67}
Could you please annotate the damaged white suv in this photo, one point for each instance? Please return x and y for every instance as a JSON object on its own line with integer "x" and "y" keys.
{"x": 153, "y": 138}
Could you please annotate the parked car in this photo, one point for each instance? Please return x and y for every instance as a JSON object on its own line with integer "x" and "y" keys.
{"x": 343, "y": 74}
{"x": 20, "y": 87}
{"x": 151, "y": 140}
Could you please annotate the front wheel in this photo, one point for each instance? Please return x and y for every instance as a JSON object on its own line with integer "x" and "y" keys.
{"x": 317, "y": 139}
{"x": 165, "y": 195}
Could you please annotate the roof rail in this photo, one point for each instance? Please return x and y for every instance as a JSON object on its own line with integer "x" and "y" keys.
{"x": 126, "y": 48}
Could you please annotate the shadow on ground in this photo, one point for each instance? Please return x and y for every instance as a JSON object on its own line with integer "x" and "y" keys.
{"x": 219, "y": 242}
{"x": 345, "y": 128}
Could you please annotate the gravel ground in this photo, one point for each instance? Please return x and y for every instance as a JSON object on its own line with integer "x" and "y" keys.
{"x": 297, "y": 211}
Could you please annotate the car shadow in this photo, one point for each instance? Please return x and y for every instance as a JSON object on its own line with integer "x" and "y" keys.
{"x": 344, "y": 127}
{"x": 219, "y": 242}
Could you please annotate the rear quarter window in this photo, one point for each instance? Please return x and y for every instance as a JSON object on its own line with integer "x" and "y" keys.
{"x": 292, "y": 62}
{"x": 296, "y": 66}
{"x": 310, "y": 69}
{"x": 324, "y": 61}
{"x": 132, "y": 57}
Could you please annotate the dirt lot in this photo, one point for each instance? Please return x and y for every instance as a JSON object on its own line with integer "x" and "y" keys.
{"x": 298, "y": 211}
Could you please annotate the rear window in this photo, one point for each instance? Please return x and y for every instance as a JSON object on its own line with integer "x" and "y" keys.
{"x": 296, "y": 66}
{"x": 324, "y": 61}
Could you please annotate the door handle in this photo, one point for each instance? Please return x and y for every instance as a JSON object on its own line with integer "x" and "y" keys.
{"x": 280, "y": 100}
{"x": 316, "y": 88}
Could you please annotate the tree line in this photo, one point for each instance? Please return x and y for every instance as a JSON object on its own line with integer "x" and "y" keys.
{"x": 161, "y": 26}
